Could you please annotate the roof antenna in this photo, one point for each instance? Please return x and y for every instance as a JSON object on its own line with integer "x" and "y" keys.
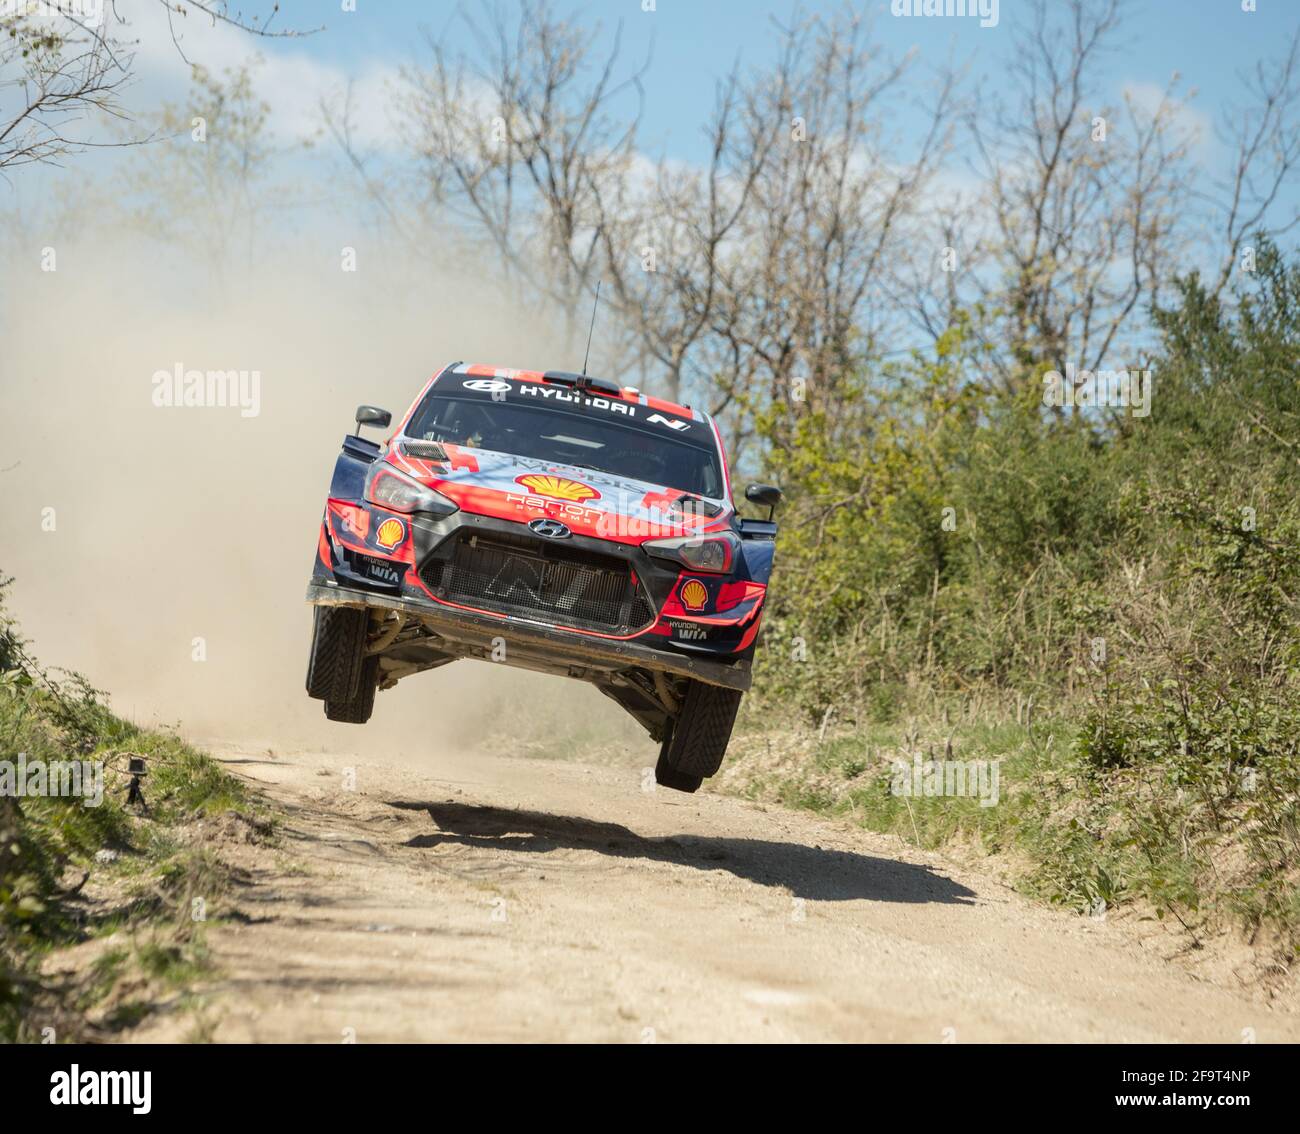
{"x": 590, "y": 329}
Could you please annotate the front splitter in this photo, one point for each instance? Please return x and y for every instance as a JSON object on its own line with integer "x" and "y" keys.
{"x": 481, "y": 631}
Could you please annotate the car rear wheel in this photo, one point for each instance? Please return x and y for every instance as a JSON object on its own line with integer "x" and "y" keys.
{"x": 695, "y": 747}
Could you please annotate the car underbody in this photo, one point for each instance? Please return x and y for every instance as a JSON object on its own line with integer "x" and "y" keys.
{"x": 409, "y": 638}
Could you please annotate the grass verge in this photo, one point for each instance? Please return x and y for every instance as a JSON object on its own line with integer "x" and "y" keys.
{"x": 121, "y": 885}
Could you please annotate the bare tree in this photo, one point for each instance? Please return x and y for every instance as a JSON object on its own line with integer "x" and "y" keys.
{"x": 206, "y": 184}
{"x": 61, "y": 64}
{"x": 811, "y": 242}
{"x": 52, "y": 73}
{"x": 752, "y": 280}
{"x": 1085, "y": 200}
{"x": 520, "y": 140}
{"x": 665, "y": 246}
{"x": 836, "y": 199}
{"x": 1265, "y": 140}
{"x": 1087, "y": 212}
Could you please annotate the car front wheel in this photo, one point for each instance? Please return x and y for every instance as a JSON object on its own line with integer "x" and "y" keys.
{"x": 694, "y": 749}
{"x": 338, "y": 670}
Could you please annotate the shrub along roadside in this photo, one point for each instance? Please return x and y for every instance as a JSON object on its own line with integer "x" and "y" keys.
{"x": 54, "y": 851}
{"x": 957, "y": 543}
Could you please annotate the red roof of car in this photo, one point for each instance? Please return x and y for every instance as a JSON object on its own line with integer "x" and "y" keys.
{"x": 626, "y": 393}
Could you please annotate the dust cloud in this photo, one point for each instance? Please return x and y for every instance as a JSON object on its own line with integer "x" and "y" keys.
{"x": 134, "y": 530}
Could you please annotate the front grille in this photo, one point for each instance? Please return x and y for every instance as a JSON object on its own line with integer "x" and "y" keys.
{"x": 527, "y": 577}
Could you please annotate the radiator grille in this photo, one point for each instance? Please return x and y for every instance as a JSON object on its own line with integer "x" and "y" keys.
{"x": 533, "y": 579}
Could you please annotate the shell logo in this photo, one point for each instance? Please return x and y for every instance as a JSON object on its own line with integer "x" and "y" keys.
{"x": 558, "y": 487}
{"x": 694, "y": 594}
{"x": 390, "y": 533}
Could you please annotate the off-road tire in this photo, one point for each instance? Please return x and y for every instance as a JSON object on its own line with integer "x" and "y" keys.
{"x": 667, "y": 776}
{"x": 338, "y": 653}
{"x": 694, "y": 749}
{"x": 357, "y": 708}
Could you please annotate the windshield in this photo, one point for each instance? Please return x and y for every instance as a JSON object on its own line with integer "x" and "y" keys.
{"x": 569, "y": 436}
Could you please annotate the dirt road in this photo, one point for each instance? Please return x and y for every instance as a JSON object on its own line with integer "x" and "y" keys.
{"x": 493, "y": 899}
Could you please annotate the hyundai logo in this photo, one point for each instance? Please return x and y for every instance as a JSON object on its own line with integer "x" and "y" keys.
{"x": 549, "y": 529}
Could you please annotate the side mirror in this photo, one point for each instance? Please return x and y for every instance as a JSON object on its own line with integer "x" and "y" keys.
{"x": 765, "y": 496}
{"x": 372, "y": 415}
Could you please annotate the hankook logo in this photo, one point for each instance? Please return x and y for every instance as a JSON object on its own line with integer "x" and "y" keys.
{"x": 549, "y": 529}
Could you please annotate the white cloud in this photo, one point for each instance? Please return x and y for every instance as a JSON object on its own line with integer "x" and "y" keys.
{"x": 291, "y": 80}
{"x": 1188, "y": 122}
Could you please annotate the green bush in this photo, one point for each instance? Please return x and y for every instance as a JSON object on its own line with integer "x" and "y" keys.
{"x": 45, "y": 840}
{"x": 948, "y": 537}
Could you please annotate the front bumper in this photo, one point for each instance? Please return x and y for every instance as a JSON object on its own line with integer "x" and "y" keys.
{"x": 471, "y": 634}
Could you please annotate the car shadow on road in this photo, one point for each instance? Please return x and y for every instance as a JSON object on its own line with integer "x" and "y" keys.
{"x": 809, "y": 872}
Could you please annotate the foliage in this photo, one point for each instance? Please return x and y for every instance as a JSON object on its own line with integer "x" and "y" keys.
{"x": 1138, "y": 577}
{"x": 46, "y": 840}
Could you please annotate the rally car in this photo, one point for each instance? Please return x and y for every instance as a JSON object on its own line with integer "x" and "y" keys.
{"x": 552, "y": 521}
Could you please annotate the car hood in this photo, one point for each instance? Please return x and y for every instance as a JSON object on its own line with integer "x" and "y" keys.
{"x": 589, "y": 502}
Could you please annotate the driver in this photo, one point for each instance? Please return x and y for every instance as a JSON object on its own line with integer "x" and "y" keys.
{"x": 464, "y": 425}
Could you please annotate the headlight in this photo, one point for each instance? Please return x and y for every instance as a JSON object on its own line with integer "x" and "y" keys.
{"x": 712, "y": 553}
{"x": 396, "y": 491}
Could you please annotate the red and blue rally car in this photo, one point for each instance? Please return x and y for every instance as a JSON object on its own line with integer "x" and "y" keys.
{"x": 551, "y": 521}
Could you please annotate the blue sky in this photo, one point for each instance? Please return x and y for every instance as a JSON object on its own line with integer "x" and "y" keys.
{"x": 694, "y": 44}
{"x": 696, "y": 41}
